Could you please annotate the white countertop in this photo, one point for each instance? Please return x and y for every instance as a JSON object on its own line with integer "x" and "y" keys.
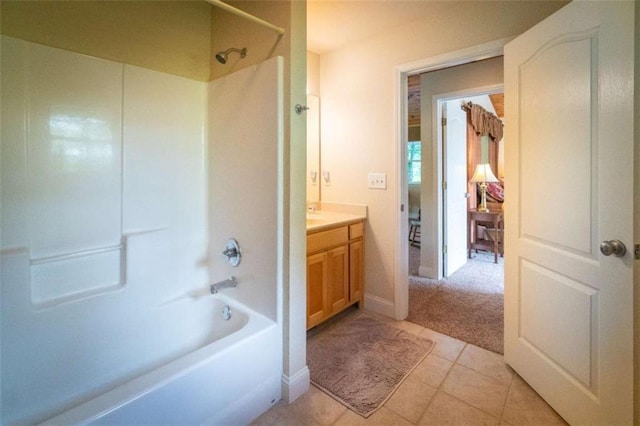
{"x": 323, "y": 215}
{"x": 320, "y": 219}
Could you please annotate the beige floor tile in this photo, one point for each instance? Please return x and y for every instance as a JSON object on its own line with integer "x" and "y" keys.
{"x": 446, "y": 410}
{"x": 525, "y": 407}
{"x": 432, "y": 370}
{"x": 408, "y": 327}
{"x": 480, "y": 391}
{"x": 446, "y": 347}
{"x": 377, "y": 316}
{"x": 313, "y": 408}
{"x": 272, "y": 416}
{"x": 411, "y": 399}
{"x": 486, "y": 362}
{"x": 285, "y": 415}
{"x": 325, "y": 410}
{"x": 382, "y": 417}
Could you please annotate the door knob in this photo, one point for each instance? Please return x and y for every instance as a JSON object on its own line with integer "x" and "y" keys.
{"x": 614, "y": 247}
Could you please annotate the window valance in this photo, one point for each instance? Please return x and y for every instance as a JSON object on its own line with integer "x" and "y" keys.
{"x": 484, "y": 122}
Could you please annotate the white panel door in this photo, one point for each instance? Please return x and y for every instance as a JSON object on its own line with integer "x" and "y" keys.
{"x": 569, "y": 159}
{"x": 455, "y": 214}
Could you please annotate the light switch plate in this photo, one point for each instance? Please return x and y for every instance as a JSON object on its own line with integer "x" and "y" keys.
{"x": 377, "y": 180}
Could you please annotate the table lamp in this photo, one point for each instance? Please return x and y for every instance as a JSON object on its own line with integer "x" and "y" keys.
{"x": 483, "y": 175}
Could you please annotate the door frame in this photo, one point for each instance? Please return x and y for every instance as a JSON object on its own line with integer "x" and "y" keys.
{"x": 438, "y": 102}
{"x": 430, "y": 235}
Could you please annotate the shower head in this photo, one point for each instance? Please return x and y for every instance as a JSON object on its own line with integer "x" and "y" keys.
{"x": 222, "y": 56}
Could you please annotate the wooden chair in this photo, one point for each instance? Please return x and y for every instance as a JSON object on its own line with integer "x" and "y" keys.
{"x": 414, "y": 231}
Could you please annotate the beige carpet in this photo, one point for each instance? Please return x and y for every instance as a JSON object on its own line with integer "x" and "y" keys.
{"x": 360, "y": 361}
{"x": 468, "y": 305}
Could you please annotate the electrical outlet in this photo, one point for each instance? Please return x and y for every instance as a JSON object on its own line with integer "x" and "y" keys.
{"x": 378, "y": 180}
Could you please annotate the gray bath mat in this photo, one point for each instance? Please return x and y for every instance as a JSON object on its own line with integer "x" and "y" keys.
{"x": 360, "y": 361}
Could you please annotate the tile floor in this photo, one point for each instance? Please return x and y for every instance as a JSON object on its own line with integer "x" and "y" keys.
{"x": 456, "y": 384}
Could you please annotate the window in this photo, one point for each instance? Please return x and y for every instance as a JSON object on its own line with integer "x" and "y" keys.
{"x": 414, "y": 152}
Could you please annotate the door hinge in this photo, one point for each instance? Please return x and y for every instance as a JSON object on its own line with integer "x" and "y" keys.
{"x": 444, "y": 249}
{"x": 401, "y": 207}
{"x": 444, "y": 184}
{"x": 636, "y": 251}
{"x": 444, "y": 121}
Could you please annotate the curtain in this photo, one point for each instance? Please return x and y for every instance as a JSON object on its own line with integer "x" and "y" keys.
{"x": 473, "y": 158}
{"x": 484, "y": 122}
{"x": 481, "y": 122}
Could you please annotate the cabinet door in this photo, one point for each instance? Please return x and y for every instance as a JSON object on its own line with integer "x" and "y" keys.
{"x": 338, "y": 278}
{"x": 356, "y": 271}
{"x": 317, "y": 286}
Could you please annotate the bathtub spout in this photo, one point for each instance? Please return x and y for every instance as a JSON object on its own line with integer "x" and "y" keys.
{"x": 230, "y": 282}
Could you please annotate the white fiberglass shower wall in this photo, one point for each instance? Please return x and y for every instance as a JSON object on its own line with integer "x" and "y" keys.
{"x": 105, "y": 176}
{"x": 245, "y": 151}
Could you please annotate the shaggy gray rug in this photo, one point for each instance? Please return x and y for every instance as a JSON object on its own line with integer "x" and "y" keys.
{"x": 468, "y": 305}
{"x": 360, "y": 361}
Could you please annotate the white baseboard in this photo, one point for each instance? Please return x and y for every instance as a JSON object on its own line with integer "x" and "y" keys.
{"x": 295, "y": 386}
{"x": 426, "y": 271}
{"x": 379, "y": 305}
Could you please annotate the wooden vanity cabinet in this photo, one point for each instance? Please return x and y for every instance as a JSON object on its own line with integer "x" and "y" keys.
{"x": 317, "y": 289}
{"x": 335, "y": 269}
{"x": 356, "y": 263}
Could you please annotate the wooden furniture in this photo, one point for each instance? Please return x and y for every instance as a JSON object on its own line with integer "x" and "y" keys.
{"x": 492, "y": 243}
{"x": 414, "y": 230}
{"x": 335, "y": 271}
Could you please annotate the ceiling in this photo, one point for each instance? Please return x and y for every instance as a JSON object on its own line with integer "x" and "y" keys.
{"x": 413, "y": 90}
{"x": 332, "y": 24}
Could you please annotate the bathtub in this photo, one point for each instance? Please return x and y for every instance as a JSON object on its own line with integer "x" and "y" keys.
{"x": 230, "y": 374}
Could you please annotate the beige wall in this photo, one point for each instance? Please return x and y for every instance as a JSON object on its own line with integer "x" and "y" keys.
{"x": 636, "y": 270}
{"x": 414, "y": 133}
{"x": 169, "y": 36}
{"x": 358, "y": 114}
{"x": 414, "y": 199}
{"x": 295, "y": 373}
{"x": 313, "y": 73}
{"x": 463, "y": 77}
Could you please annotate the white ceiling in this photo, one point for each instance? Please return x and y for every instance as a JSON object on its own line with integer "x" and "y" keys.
{"x": 332, "y": 24}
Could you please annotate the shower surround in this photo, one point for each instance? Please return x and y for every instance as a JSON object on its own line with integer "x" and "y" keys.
{"x": 111, "y": 198}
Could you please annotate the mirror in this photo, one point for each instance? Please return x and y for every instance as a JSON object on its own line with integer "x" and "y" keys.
{"x": 313, "y": 149}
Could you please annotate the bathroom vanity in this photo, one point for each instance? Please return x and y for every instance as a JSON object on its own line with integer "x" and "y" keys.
{"x": 335, "y": 264}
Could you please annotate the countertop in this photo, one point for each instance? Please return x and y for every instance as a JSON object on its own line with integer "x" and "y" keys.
{"x": 320, "y": 219}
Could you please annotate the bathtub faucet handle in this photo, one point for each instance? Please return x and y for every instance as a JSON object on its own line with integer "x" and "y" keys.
{"x": 230, "y": 252}
{"x": 233, "y": 252}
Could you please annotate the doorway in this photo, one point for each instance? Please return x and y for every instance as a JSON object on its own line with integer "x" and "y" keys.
{"x": 456, "y": 192}
{"x": 467, "y": 302}
{"x": 431, "y": 217}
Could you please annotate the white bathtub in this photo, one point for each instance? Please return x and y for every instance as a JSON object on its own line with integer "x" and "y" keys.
{"x": 231, "y": 375}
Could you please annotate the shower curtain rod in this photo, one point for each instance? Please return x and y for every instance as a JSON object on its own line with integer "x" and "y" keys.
{"x": 246, "y": 15}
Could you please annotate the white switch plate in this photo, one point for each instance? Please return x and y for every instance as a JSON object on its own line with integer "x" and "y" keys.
{"x": 378, "y": 180}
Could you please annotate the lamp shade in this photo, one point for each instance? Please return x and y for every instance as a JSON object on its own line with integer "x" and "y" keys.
{"x": 483, "y": 173}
